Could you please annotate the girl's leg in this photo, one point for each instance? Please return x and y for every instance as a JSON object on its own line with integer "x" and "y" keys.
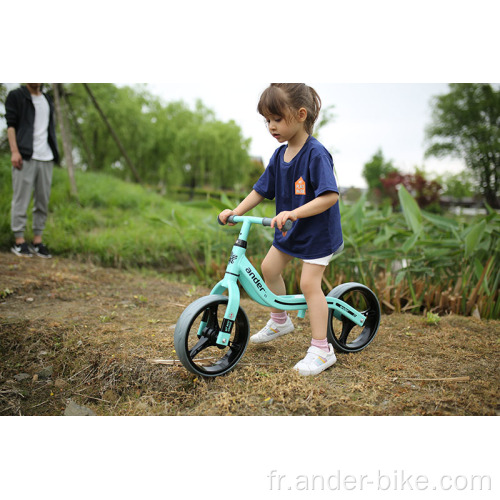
{"x": 272, "y": 266}
{"x": 310, "y": 284}
{"x": 320, "y": 355}
{"x": 279, "y": 324}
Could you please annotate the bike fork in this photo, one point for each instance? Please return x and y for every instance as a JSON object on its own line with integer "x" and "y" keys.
{"x": 231, "y": 311}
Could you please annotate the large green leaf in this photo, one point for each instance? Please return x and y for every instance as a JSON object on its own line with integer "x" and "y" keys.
{"x": 409, "y": 243}
{"x": 411, "y": 210}
{"x": 440, "y": 222}
{"x": 473, "y": 237}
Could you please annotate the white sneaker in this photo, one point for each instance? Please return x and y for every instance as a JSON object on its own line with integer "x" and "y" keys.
{"x": 316, "y": 361}
{"x": 272, "y": 331}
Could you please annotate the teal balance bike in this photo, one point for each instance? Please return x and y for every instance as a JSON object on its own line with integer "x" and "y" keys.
{"x": 212, "y": 333}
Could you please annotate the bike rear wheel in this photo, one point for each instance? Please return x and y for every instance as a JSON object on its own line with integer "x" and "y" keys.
{"x": 198, "y": 350}
{"x": 343, "y": 333}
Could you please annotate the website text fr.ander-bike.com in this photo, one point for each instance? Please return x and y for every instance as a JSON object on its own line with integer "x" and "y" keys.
{"x": 395, "y": 480}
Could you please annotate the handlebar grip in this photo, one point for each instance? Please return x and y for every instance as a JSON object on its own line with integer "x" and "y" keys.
{"x": 286, "y": 226}
{"x": 266, "y": 221}
{"x": 229, "y": 219}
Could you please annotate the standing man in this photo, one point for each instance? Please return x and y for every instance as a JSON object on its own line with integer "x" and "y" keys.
{"x": 32, "y": 139}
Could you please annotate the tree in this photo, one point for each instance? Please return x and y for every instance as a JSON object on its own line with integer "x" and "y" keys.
{"x": 375, "y": 170}
{"x": 457, "y": 185}
{"x": 168, "y": 143}
{"x": 466, "y": 124}
{"x": 425, "y": 192}
{"x": 62, "y": 117}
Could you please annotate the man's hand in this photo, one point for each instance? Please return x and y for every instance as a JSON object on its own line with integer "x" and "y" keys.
{"x": 17, "y": 160}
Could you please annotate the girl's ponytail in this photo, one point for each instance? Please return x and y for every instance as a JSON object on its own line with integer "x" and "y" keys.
{"x": 284, "y": 98}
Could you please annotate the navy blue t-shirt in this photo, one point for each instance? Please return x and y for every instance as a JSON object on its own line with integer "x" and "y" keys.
{"x": 293, "y": 184}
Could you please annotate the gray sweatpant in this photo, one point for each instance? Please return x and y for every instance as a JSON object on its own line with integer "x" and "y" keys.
{"x": 34, "y": 177}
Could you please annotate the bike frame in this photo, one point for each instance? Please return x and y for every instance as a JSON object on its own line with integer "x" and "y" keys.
{"x": 239, "y": 269}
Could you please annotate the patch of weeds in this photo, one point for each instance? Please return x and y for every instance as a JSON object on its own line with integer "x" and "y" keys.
{"x": 107, "y": 319}
{"x": 5, "y": 293}
{"x": 432, "y": 319}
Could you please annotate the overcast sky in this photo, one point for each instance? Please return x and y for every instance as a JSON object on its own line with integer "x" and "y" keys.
{"x": 367, "y": 117}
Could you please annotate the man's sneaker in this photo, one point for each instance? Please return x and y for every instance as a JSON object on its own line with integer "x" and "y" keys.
{"x": 21, "y": 250}
{"x": 272, "y": 331}
{"x": 41, "y": 250}
{"x": 316, "y": 361}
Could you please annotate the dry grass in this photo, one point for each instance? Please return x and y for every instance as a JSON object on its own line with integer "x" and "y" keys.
{"x": 99, "y": 328}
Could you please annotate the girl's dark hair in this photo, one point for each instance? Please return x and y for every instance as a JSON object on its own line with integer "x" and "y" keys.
{"x": 285, "y": 99}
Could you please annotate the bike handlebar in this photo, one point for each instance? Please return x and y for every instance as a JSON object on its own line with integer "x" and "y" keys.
{"x": 265, "y": 221}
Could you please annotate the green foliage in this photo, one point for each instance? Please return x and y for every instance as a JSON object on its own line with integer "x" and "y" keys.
{"x": 458, "y": 185}
{"x": 432, "y": 319}
{"x": 411, "y": 211}
{"x": 377, "y": 168}
{"x": 417, "y": 260}
{"x": 466, "y": 125}
{"x": 169, "y": 144}
{"x": 3, "y": 95}
{"x": 115, "y": 223}
{"x": 425, "y": 192}
{"x": 413, "y": 260}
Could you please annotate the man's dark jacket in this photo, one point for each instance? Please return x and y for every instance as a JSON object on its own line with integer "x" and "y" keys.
{"x": 20, "y": 114}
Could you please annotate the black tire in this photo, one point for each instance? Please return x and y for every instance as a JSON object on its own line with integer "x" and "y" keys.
{"x": 343, "y": 333}
{"x": 214, "y": 360}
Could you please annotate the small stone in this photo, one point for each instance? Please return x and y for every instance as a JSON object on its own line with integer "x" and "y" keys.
{"x": 22, "y": 376}
{"x": 60, "y": 383}
{"x": 45, "y": 373}
{"x": 30, "y": 299}
{"x": 75, "y": 410}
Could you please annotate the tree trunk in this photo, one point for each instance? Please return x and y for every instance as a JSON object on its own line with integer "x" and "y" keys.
{"x": 113, "y": 134}
{"x": 66, "y": 138}
{"x": 89, "y": 156}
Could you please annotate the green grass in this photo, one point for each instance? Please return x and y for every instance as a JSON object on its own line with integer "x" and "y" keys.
{"x": 413, "y": 260}
{"x": 115, "y": 223}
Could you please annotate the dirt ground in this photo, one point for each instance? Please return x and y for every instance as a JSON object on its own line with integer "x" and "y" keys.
{"x": 72, "y": 332}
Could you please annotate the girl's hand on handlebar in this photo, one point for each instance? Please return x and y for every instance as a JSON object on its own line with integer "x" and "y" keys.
{"x": 281, "y": 218}
{"x": 225, "y": 214}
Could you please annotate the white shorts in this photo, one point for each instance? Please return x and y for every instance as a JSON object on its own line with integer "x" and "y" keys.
{"x": 324, "y": 261}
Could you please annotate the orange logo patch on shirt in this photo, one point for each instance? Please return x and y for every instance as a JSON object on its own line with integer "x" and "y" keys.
{"x": 300, "y": 186}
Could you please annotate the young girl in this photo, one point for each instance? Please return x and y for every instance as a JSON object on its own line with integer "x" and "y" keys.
{"x": 300, "y": 178}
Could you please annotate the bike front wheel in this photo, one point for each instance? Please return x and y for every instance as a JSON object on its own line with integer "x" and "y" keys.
{"x": 196, "y": 334}
{"x": 343, "y": 333}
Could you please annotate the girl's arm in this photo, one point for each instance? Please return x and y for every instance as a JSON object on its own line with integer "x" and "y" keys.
{"x": 314, "y": 207}
{"x": 251, "y": 201}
